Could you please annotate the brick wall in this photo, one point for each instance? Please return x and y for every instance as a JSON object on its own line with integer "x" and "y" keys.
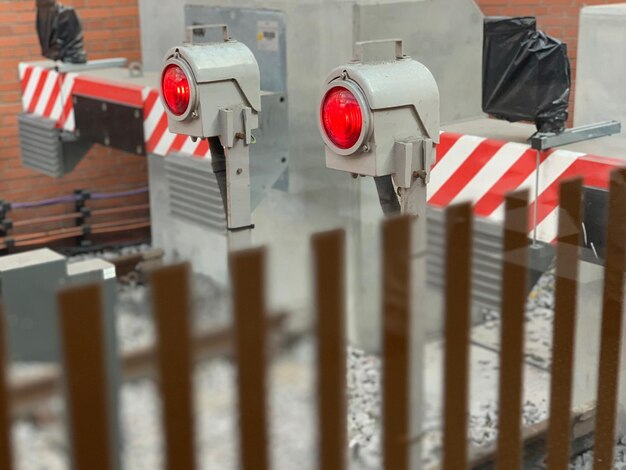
{"x": 111, "y": 29}
{"x": 558, "y": 18}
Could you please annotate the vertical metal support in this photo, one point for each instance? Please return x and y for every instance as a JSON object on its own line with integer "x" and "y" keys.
{"x": 330, "y": 291}
{"x": 396, "y": 323}
{"x": 536, "y": 195}
{"x": 239, "y": 210}
{"x": 172, "y": 311}
{"x": 6, "y": 450}
{"x": 564, "y": 333}
{"x": 83, "y": 347}
{"x": 457, "y": 335}
{"x": 514, "y": 278}
{"x": 409, "y": 156}
{"x": 81, "y": 196}
{"x": 611, "y": 329}
{"x": 248, "y": 280}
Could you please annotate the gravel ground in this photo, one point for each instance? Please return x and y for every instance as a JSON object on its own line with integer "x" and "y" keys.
{"x": 41, "y": 444}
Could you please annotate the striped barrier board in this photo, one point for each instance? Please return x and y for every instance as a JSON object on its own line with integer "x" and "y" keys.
{"x": 482, "y": 171}
{"x": 48, "y": 93}
{"x": 470, "y": 168}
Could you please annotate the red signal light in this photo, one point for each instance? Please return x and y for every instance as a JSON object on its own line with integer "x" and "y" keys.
{"x": 176, "y": 89}
{"x": 342, "y": 117}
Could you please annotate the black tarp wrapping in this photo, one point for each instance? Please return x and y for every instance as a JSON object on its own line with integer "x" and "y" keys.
{"x": 526, "y": 74}
{"x": 60, "y": 32}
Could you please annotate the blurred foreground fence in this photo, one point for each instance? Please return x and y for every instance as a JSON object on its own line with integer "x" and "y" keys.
{"x": 85, "y": 375}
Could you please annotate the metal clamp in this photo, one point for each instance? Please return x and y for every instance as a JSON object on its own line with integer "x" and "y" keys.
{"x": 135, "y": 69}
{"x": 204, "y": 27}
{"x": 359, "y": 48}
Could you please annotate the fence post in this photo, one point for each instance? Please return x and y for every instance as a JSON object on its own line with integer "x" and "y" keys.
{"x": 330, "y": 291}
{"x": 566, "y": 293}
{"x": 6, "y": 451}
{"x": 172, "y": 312}
{"x": 611, "y": 329}
{"x": 396, "y": 280}
{"x": 457, "y": 326}
{"x": 514, "y": 280}
{"x": 248, "y": 279}
{"x": 83, "y": 352}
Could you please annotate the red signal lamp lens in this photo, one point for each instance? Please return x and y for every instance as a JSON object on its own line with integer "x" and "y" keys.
{"x": 176, "y": 91}
{"x": 342, "y": 117}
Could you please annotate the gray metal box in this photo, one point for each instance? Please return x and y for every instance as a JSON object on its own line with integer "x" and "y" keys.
{"x": 28, "y": 287}
{"x": 46, "y": 149}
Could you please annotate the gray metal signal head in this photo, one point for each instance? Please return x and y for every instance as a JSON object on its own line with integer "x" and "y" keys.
{"x": 223, "y": 77}
{"x": 399, "y": 103}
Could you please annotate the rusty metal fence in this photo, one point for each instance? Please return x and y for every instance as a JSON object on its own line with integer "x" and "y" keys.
{"x": 85, "y": 375}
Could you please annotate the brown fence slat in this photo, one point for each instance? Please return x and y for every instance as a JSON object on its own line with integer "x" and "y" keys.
{"x": 330, "y": 286}
{"x": 172, "y": 311}
{"x": 83, "y": 347}
{"x": 396, "y": 281}
{"x": 248, "y": 279}
{"x": 611, "y": 330}
{"x": 514, "y": 280}
{"x": 457, "y": 326}
{"x": 567, "y": 255}
{"x": 6, "y": 451}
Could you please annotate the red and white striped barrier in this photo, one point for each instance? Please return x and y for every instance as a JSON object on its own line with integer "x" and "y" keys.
{"x": 467, "y": 168}
{"x": 480, "y": 170}
{"x": 48, "y": 93}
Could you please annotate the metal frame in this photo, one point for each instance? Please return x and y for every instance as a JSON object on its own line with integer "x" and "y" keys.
{"x": 543, "y": 141}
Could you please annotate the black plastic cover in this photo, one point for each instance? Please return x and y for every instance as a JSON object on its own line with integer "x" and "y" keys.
{"x": 60, "y": 32}
{"x": 526, "y": 74}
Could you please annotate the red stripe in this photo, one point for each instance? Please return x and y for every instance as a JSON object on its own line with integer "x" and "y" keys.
{"x": 159, "y": 130}
{"x": 465, "y": 172}
{"x": 109, "y": 91}
{"x": 42, "y": 81}
{"x": 179, "y": 141}
{"x": 202, "y": 149}
{"x": 26, "y": 78}
{"x": 511, "y": 180}
{"x": 597, "y": 170}
{"x": 549, "y": 198}
{"x": 149, "y": 104}
{"x": 67, "y": 106}
{"x": 446, "y": 141}
{"x": 53, "y": 98}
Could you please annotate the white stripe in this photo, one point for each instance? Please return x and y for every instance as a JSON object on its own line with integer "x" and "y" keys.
{"x": 27, "y": 97}
{"x": 46, "y": 92}
{"x": 190, "y": 146}
{"x": 457, "y": 154}
{"x": 55, "y": 114}
{"x": 144, "y": 93}
{"x": 150, "y": 122}
{"x": 491, "y": 172}
{"x": 66, "y": 96}
{"x": 548, "y": 228}
{"x": 21, "y": 67}
{"x": 70, "y": 125}
{"x": 164, "y": 143}
{"x": 549, "y": 171}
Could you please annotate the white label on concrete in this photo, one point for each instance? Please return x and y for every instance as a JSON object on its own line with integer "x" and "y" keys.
{"x": 109, "y": 273}
{"x": 268, "y": 36}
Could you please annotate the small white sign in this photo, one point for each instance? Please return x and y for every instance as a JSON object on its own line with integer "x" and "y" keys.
{"x": 109, "y": 273}
{"x": 268, "y": 36}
